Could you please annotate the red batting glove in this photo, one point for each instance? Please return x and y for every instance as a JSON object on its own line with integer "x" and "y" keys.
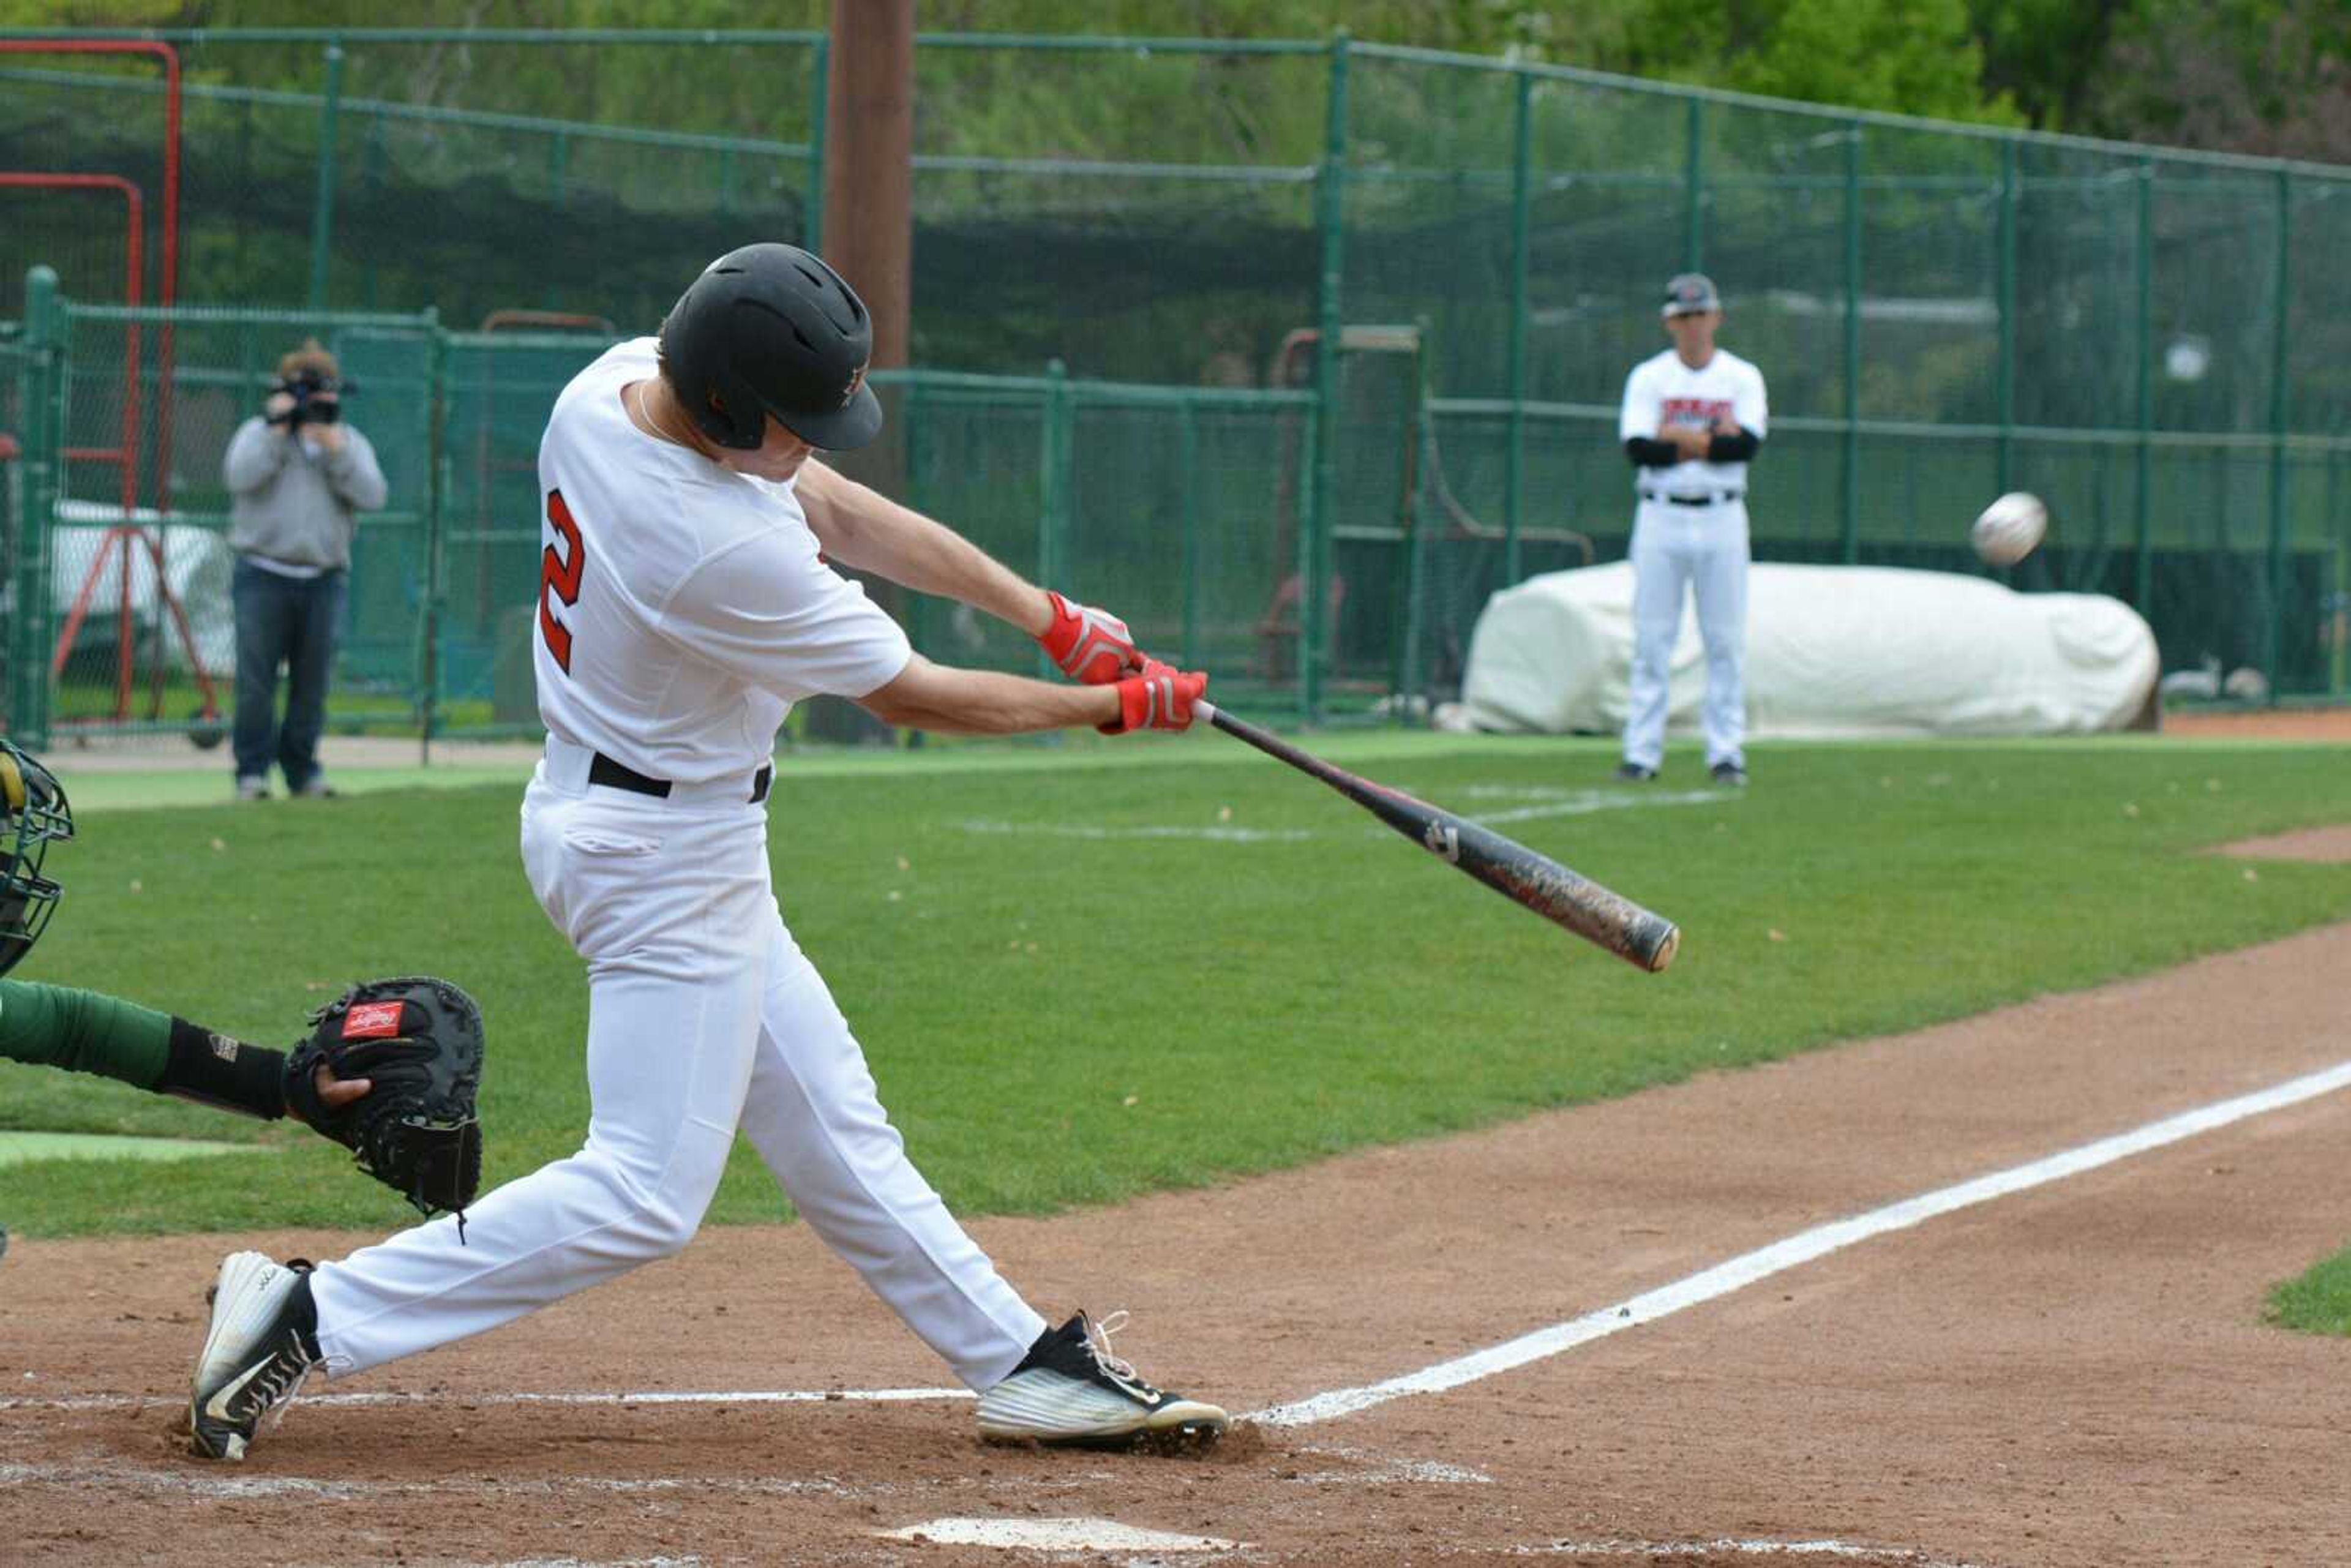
{"x": 1159, "y": 699}
{"x": 1089, "y": 644}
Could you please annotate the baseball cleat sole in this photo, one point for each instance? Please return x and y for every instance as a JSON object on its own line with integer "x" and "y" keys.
{"x": 1177, "y": 1425}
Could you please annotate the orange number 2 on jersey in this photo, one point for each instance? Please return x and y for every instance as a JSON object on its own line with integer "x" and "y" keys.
{"x": 562, "y": 577}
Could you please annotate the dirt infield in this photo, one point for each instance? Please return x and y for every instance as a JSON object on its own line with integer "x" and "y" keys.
{"x": 2328, "y": 723}
{"x": 2073, "y": 1374}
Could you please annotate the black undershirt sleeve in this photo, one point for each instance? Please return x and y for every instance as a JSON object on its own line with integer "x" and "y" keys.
{"x": 1738, "y": 448}
{"x": 1647, "y": 452}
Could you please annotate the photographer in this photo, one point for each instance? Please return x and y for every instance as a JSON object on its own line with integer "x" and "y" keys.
{"x": 297, "y": 476}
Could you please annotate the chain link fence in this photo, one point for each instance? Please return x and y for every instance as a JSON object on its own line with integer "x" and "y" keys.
{"x": 1178, "y": 503}
{"x": 2145, "y": 336}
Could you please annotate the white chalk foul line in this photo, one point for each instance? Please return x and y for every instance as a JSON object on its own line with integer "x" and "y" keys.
{"x": 1801, "y": 1248}
{"x": 720, "y": 1396}
{"x": 196, "y": 1482}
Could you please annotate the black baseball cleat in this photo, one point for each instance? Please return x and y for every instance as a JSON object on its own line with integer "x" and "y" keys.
{"x": 262, "y": 1344}
{"x": 1069, "y": 1391}
{"x": 1730, "y": 775}
{"x": 1633, "y": 773}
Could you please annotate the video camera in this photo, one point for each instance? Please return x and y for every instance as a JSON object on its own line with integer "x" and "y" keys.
{"x": 309, "y": 407}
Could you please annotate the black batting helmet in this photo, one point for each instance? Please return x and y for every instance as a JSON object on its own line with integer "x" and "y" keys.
{"x": 34, "y": 814}
{"x": 771, "y": 330}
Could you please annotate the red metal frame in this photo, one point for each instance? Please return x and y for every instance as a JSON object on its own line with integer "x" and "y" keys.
{"x": 125, "y": 457}
{"x": 122, "y": 535}
{"x": 167, "y": 286}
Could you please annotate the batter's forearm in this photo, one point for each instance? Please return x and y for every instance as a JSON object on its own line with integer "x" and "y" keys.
{"x": 862, "y": 529}
{"x": 89, "y": 1031}
{"x": 948, "y": 701}
{"x": 1648, "y": 452}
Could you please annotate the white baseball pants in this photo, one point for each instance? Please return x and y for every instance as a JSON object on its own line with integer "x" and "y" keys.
{"x": 702, "y": 1017}
{"x": 1676, "y": 550}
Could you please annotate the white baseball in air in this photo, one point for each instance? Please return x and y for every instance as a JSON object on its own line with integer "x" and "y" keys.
{"x": 2008, "y": 528}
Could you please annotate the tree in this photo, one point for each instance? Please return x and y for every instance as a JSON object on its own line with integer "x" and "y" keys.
{"x": 2270, "y": 76}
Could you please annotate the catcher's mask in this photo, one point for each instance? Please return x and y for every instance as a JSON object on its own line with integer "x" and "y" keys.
{"x": 35, "y": 816}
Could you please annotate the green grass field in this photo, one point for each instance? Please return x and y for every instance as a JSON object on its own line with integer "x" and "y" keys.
{"x": 1070, "y": 995}
{"x": 2319, "y": 1302}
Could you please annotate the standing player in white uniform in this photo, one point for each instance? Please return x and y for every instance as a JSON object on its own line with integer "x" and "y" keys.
{"x": 685, "y": 603}
{"x": 1693, "y": 417}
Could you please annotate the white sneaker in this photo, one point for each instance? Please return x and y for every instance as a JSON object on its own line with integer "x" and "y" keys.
{"x": 251, "y": 786}
{"x": 260, "y": 1347}
{"x": 1070, "y": 1390}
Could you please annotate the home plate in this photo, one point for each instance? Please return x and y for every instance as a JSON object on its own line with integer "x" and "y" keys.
{"x": 1054, "y": 1535}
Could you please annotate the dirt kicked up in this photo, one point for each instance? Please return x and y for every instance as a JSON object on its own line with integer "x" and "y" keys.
{"x": 2073, "y": 1374}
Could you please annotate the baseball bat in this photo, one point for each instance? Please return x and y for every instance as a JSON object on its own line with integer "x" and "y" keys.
{"x": 1536, "y": 881}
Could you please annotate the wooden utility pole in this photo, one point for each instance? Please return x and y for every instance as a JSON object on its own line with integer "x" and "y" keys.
{"x": 869, "y": 238}
{"x": 869, "y": 150}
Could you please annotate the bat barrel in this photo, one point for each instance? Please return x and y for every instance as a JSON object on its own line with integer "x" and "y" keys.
{"x": 1599, "y": 914}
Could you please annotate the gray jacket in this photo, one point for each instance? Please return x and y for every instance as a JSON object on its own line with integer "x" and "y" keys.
{"x": 290, "y": 504}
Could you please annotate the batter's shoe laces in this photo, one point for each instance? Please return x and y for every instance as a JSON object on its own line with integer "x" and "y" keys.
{"x": 1071, "y": 1391}
{"x": 262, "y": 1344}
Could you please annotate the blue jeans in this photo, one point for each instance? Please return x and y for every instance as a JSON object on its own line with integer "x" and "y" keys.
{"x": 292, "y": 623}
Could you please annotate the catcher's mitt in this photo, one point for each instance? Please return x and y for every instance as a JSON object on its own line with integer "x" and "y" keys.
{"x": 419, "y": 1040}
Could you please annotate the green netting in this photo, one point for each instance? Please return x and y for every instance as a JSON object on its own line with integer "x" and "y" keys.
{"x": 1143, "y": 215}
{"x": 497, "y": 393}
{"x": 2147, "y": 338}
{"x": 1164, "y": 503}
{"x": 1608, "y": 203}
{"x": 133, "y": 611}
{"x": 15, "y": 372}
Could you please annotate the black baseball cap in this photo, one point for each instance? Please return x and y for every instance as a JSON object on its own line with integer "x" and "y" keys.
{"x": 1690, "y": 293}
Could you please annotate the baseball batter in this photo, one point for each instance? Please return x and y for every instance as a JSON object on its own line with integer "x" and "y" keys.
{"x": 685, "y": 603}
{"x": 1693, "y": 419}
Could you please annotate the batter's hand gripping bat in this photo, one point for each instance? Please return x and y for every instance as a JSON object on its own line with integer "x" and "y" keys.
{"x": 1511, "y": 868}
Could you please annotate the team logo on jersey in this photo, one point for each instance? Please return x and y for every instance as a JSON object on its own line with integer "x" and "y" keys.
{"x": 372, "y": 1020}
{"x": 1699, "y": 410}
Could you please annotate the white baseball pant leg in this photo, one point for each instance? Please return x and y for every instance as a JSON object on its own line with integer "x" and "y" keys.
{"x": 1719, "y": 573}
{"x": 1660, "y": 584}
{"x": 814, "y": 1117}
{"x": 671, "y": 906}
{"x": 663, "y": 903}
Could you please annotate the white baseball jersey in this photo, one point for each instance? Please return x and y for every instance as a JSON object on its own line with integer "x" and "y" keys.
{"x": 1662, "y": 390}
{"x": 683, "y": 609}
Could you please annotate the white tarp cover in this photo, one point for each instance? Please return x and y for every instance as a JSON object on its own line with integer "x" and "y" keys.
{"x": 1830, "y": 651}
{"x": 197, "y": 563}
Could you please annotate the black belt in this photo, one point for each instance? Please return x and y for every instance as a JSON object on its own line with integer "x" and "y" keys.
{"x": 618, "y": 776}
{"x": 1711, "y": 498}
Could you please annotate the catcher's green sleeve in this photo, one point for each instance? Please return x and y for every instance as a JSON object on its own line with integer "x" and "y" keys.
{"x": 84, "y": 1031}
{"x": 89, "y": 1031}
